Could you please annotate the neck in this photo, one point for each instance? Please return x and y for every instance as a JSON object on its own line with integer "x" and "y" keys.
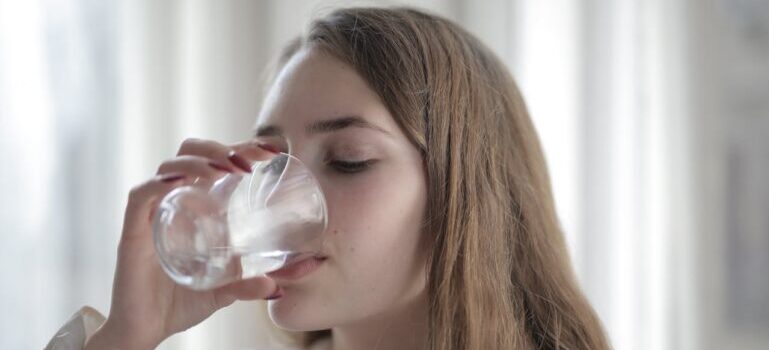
{"x": 403, "y": 327}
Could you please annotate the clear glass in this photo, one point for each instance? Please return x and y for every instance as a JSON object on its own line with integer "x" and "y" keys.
{"x": 241, "y": 226}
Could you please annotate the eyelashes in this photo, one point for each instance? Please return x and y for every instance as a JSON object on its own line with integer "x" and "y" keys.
{"x": 277, "y": 165}
{"x": 347, "y": 167}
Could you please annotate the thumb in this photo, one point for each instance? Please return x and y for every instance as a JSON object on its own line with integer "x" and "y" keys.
{"x": 249, "y": 289}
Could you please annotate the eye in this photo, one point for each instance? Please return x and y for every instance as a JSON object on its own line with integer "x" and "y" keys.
{"x": 347, "y": 167}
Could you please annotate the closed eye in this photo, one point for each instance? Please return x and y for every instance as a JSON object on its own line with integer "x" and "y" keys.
{"x": 347, "y": 167}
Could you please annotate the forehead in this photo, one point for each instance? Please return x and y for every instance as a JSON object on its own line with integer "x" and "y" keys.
{"x": 315, "y": 86}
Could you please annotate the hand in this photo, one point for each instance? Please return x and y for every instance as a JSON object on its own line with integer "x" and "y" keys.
{"x": 147, "y": 306}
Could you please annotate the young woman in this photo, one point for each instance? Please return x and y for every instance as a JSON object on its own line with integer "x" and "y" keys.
{"x": 442, "y": 232}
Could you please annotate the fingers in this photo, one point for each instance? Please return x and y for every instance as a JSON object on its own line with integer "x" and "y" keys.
{"x": 197, "y": 158}
{"x": 254, "y": 150}
{"x": 249, "y": 289}
{"x": 238, "y": 156}
{"x": 195, "y": 167}
{"x": 220, "y": 154}
{"x": 142, "y": 198}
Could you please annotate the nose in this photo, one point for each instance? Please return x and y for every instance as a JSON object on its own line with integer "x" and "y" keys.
{"x": 294, "y": 191}
{"x": 293, "y": 183}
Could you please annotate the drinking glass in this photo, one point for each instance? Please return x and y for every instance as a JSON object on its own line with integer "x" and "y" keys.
{"x": 241, "y": 225}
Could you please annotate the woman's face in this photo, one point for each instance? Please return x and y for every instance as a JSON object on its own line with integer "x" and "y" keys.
{"x": 375, "y": 189}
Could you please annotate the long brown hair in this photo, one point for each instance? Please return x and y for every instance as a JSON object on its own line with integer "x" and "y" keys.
{"x": 499, "y": 275}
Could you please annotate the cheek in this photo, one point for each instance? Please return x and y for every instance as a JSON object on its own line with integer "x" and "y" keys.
{"x": 373, "y": 238}
{"x": 382, "y": 209}
{"x": 375, "y": 223}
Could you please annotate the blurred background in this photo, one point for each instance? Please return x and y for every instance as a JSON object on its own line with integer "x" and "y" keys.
{"x": 654, "y": 116}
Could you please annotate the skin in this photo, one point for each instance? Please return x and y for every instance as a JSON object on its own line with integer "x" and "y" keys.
{"x": 370, "y": 289}
{"x": 147, "y": 306}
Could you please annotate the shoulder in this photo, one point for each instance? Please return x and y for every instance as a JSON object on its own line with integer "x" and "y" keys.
{"x": 74, "y": 333}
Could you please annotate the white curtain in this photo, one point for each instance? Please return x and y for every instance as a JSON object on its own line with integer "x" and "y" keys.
{"x": 95, "y": 94}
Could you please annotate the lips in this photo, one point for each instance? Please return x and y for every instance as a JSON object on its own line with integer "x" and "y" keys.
{"x": 298, "y": 267}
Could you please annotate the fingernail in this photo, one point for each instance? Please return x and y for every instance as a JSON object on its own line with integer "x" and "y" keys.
{"x": 277, "y": 294}
{"x": 172, "y": 177}
{"x": 239, "y": 161}
{"x": 268, "y": 148}
{"x": 220, "y": 167}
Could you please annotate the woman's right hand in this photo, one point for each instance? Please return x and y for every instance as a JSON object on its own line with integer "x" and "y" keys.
{"x": 147, "y": 306}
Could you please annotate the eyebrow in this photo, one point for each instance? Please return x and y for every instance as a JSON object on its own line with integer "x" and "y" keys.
{"x": 324, "y": 126}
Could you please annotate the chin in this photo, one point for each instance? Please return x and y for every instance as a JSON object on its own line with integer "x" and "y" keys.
{"x": 297, "y": 313}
